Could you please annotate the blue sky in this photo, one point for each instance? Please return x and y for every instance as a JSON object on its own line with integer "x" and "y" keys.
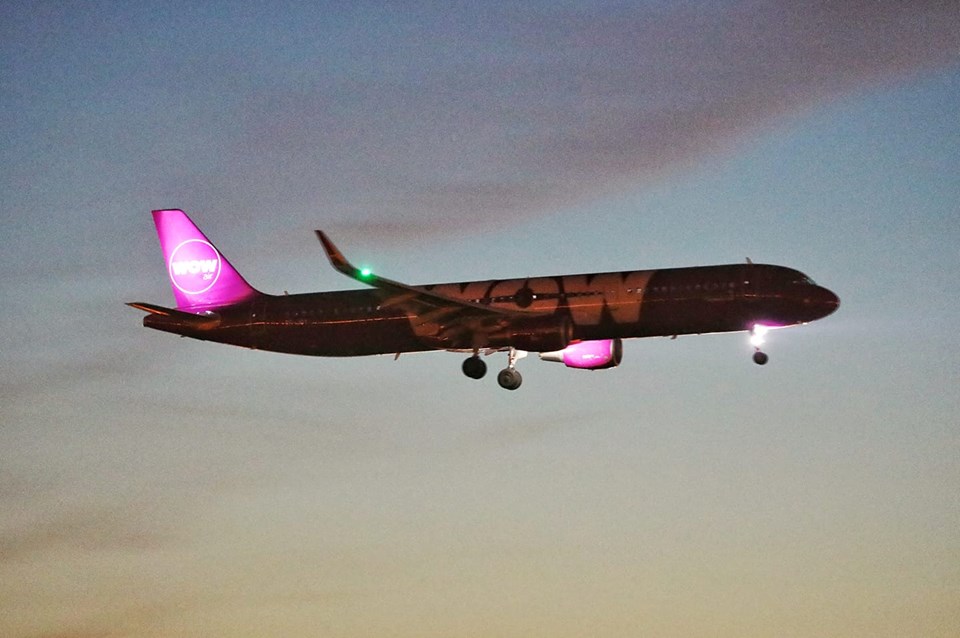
{"x": 154, "y": 486}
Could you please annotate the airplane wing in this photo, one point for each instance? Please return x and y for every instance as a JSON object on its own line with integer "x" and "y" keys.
{"x": 456, "y": 321}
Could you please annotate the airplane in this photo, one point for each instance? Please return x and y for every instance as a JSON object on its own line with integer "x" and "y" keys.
{"x": 578, "y": 320}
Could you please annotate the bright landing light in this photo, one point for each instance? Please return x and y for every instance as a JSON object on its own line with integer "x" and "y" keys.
{"x": 758, "y": 334}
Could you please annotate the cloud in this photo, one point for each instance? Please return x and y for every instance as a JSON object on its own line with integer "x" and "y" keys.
{"x": 530, "y": 110}
{"x": 437, "y": 121}
{"x": 500, "y": 436}
{"x": 93, "y": 529}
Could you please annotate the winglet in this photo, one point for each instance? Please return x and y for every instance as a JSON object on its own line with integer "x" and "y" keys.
{"x": 335, "y": 256}
{"x": 340, "y": 263}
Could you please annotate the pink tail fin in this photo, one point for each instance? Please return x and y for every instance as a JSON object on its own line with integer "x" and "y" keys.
{"x": 200, "y": 276}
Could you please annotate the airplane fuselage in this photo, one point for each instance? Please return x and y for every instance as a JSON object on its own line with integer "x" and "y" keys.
{"x": 578, "y": 320}
{"x": 642, "y": 303}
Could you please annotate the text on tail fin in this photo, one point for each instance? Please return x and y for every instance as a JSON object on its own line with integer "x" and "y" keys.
{"x": 199, "y": 274}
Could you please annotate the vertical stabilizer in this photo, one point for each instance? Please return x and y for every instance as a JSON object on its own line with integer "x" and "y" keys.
{"x": 199, "y": 275}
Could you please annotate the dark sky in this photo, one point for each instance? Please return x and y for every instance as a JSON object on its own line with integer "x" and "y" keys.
{"x": 155, "y": 486}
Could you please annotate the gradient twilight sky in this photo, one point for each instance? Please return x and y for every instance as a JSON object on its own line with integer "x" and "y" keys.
{"x": 156, "y": 486}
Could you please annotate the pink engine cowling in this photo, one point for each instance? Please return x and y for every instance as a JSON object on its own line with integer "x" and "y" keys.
{"x": 588, "y": 355}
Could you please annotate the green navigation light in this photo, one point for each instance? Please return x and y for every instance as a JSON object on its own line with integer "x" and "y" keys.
{"x": 365, "y": 273}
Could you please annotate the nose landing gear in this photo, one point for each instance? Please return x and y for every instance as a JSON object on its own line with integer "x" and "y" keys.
{"x": 757, "y": 337}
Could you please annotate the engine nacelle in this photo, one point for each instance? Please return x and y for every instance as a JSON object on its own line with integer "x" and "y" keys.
{"x": 588, "y": 355}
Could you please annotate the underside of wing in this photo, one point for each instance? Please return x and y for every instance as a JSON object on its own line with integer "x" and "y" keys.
{"x": 448, "y": 321}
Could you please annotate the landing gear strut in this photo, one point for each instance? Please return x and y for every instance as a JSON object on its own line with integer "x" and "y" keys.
{"x": 509, "y": 378}
{"x": 756, "y": 340}
{"x": 474, "y": 367}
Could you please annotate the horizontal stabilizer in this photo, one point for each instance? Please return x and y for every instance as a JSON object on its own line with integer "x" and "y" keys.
{"x": 206, "y": 321}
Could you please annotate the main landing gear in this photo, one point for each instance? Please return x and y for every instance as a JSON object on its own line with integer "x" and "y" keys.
{"x": 757, "y": 336}
{"x": 509, "y": 378}
{"x": 474, "y": 367}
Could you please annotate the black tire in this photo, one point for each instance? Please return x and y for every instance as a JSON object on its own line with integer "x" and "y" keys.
{"x": 474, "y": 367}
{"x": 509, "y": 379}
{"x": 760, "y": 358}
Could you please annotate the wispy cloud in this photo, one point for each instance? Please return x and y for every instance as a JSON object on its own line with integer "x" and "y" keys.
{"x": 434, "y": 120}
{"x": 90, "y": 529}
{"x": 565, "y": 104}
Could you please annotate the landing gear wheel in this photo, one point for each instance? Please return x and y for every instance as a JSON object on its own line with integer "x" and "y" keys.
{"x": 474, "y": 367}
{"x": 509, "y": 379}
{"x": 760, "y": 358}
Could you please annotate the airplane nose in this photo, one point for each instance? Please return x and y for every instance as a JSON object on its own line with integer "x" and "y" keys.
{"x": 831, "y": 299}
{"x": 827, "y": 300}
{"x": 820, "y": 302}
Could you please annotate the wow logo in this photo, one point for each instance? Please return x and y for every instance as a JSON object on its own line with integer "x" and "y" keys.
{"x": 194, "y": 266}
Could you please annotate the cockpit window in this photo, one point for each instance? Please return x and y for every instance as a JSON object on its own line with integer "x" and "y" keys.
{"x": 804, "y": 280}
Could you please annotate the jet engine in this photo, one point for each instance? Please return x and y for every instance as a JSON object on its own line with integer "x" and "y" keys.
{"x": 588, "y": 355}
